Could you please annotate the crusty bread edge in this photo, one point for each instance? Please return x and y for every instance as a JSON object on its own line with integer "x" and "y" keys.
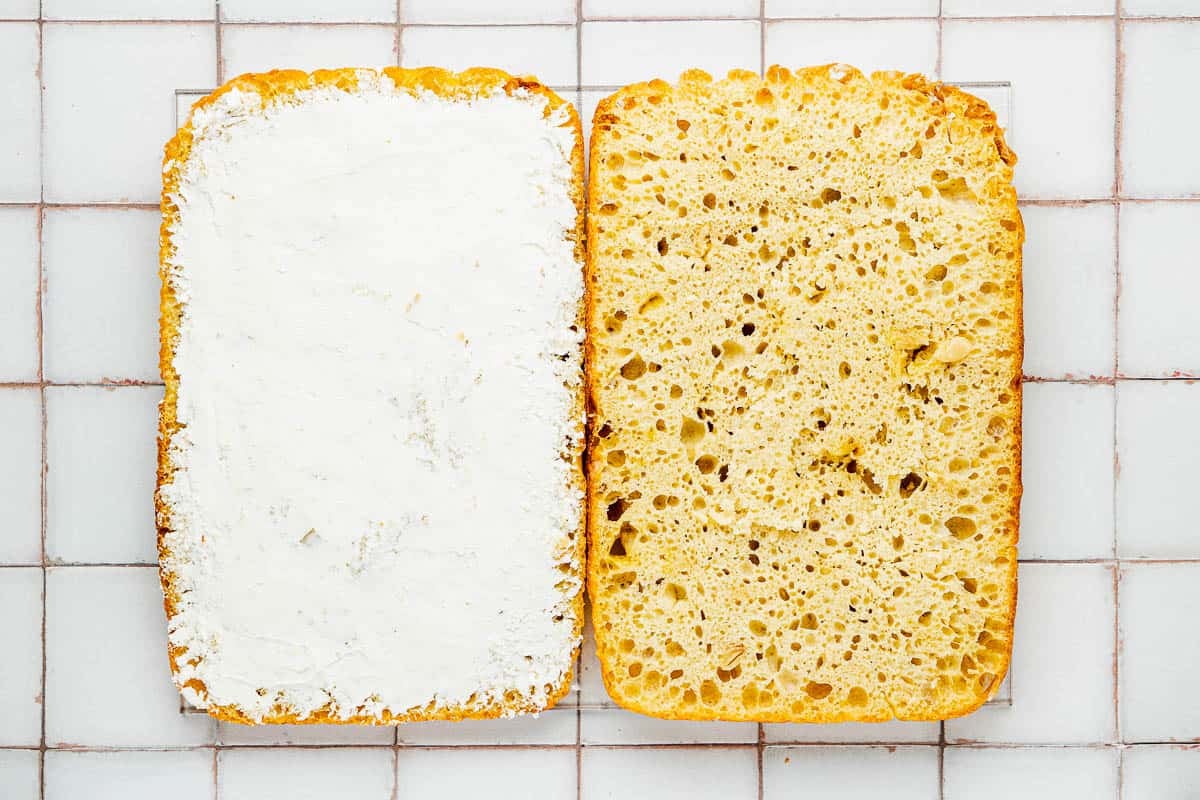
{"x": 272, "y": 87}
{"x": 952, "y": 99}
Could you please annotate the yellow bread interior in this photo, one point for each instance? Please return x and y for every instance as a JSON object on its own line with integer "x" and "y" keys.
{"x": 804, "y": 345}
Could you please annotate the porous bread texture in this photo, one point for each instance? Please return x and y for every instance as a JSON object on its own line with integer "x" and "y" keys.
{"x": 282, "y": 86}
{"x": 804, "y": 361}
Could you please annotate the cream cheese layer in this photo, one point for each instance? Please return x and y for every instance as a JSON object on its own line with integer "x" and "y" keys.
{"x": 378, "y": 379}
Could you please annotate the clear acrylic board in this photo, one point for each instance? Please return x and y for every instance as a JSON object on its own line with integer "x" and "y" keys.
{"x": 997, "y": 94}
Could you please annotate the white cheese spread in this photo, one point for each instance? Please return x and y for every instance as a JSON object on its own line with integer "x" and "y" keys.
{"x": 377, "y": 378}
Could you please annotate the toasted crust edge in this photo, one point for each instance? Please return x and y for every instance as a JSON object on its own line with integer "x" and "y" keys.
{"x": 271, "y": 87}
{"x": 984, "y": 121}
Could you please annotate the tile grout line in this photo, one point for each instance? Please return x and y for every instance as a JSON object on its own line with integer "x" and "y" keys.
{"x": 579, "y": 726}
{"x": 1160, "y": 18}
{"x": 579, "y": 61}
{"x": 941, "y": 30}
{"x": 941, "y": 758}
{"x": 218, "y": 37}
{"x": 76, "y": 206}
{"x": 395, "y": 762}
{"x": 116, "y": 384}
{"x": 39, "y": 317}
{"x": 399, "y": 54}
{"x": 782, "y": 744}
{"x": 386, "y": 24}
{"x": 219, "y": 70}
{"x": 762, "y": 38}
{"x": 634, "y": 20}
{"x": 1116, "y": 670}
{"x": 1117, "y": 190}
{"x": 1114, "y": 746}
{"x": 631, "y": 20}
{"x": 1035, "y": 18}
{"x": 1118, "y": 100}
{"x": 759, "y": 750}
{"x": 859, "y": 18}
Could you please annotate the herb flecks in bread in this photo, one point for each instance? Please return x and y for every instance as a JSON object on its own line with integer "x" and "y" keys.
{"x": 805, "y": 347}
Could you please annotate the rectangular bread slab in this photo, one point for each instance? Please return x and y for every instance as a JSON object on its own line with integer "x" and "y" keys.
{"x": 804, "y": 369}
{"x": 370, "y": 491}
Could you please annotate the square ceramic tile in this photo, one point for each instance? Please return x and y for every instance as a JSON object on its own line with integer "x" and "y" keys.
{"x": 1063, "y": 139}
{"x": 905, "y": 45}
{"x": 1158, "y": 8}
{"x": 1023, "y": 8}
{"x": 20, "y": 125}
{"x": 21, "y": 632}
{"x": 261, "y": 48}
{"x": 231, "y": 733}
{"x": 1070, "y": 285}
{"x": 628, "y": 9}
{"x": 100, "y": 455}
{"x": 687, "y": 773}
{"x": 618, "y": 726}
{"x": 625, "y": 52}
{"x": 1067, "y": 470}
{"x": 18, "y": 9}
{"x": 180, "y": 775}
{"x": 100, "y": 303}
{"x": 441, "y": 12}
{"x": 1161, "y": 772}
{"x": 107, "y": 678}
{"x": 308, "y": 11}
{"x": 1159, "y": 655}
{"x": 18, "y": 287}
{"x": 1042, "y": 773}
{"x": 1158, "y": 144}
{"x": 289, "y": 774}
{"x": 855, "y": 732}
{"x": 556, "y": 726}
{"x": 184, "y": 100}
{"x": 128, "y": 9}
{"x": 494, "y": 774}
{"x": 851, "y": 8}
{"x": 99, "y": 91}
{"x": 1062, "y": 662}
{"x": 1157, "y": 331}
{"x": 850, "y": 773}
{"x": 20, "y": 476}
{"x": 613, "y": 725}
{"x": 1158, "y": 450}
{"x": 545, "y": 51}
{"x": 19, "y": 775}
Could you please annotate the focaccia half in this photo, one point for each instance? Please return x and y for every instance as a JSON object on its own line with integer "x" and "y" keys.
{"x": 370, "y": 492}
{"x": 804, "y": 368}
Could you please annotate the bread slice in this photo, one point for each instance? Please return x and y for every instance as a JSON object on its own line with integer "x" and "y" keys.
{"x": 804, "y": 366}
{"x": 370, "y": 492}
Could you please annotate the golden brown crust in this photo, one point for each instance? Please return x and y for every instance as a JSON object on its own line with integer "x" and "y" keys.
{"x": 273, "y": 87}
{"x": 978, "y": 120}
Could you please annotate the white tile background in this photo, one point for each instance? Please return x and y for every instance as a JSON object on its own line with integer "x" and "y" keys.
{"x": 1103, "y": 704}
